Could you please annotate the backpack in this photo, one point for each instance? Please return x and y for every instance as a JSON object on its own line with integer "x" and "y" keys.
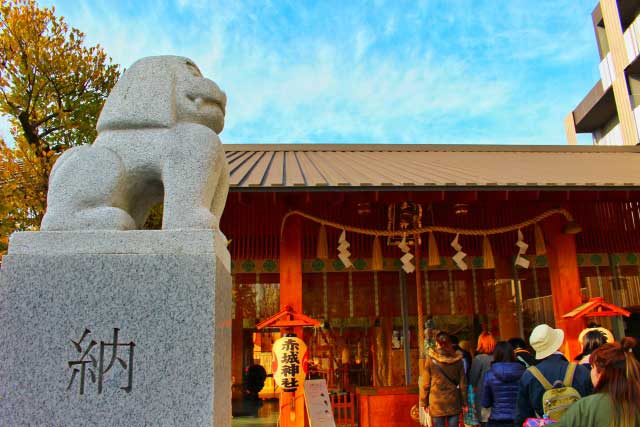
{"x": 558, "y": 397}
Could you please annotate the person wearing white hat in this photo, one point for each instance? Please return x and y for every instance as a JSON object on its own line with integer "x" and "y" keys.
{"x": 546, "y": 341}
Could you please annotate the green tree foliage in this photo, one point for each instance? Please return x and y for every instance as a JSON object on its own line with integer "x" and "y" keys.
{"x": 52, "y": 88}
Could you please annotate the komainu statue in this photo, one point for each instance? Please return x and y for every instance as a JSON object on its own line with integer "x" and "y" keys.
{"x": 157, "y": 142}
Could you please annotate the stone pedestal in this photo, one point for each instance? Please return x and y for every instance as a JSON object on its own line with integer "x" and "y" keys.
{"x": 116, "y": 329}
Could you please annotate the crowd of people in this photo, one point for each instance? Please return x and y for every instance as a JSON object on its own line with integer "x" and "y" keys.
{"x": 505, "y": 384}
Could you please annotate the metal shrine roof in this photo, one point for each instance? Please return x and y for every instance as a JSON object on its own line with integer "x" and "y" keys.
{"x": 269, "y": 167}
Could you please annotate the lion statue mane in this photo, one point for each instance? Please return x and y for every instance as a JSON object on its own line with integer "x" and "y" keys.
{"x": 157, "y": 142}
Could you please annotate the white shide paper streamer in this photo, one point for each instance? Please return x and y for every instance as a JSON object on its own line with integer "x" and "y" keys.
{"x": 522, "y": 249}
{"x": 407, "y": 265}
{"x": 343, "y": 250}
{"x": 458, "y": 258}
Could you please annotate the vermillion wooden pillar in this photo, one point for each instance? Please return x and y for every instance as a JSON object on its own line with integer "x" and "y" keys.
{"x": 565, "y": 281}
{"x": 291, "y": 264}
{"x": 291, "y": 294}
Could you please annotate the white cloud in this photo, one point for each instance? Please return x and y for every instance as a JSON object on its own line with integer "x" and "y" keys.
{"x": 363, "y": 40}
{"x": 294, "y": 73}
{"x": 333, "y": 94}
{"x": 390, "y": 26}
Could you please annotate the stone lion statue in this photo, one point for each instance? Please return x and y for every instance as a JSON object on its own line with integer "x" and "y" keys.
{"x": 157, "y": 142}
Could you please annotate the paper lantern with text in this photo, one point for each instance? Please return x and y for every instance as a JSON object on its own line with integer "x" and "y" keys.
{"x": 290, "y": 362}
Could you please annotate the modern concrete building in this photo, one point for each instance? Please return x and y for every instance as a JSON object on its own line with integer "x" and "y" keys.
{"x": 611, "y": 110}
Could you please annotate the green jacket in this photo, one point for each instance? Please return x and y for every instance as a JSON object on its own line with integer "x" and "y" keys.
{"x": 445, "y": 385}
{"x": 591, "y": 411}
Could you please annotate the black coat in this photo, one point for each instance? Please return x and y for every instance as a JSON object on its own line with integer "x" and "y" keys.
{"x": 500, "y": 389}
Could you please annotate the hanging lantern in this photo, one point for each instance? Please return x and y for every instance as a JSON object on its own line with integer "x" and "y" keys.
{"x": 290, "y": 362}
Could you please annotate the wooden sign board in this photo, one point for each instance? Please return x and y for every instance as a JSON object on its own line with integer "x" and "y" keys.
{"x": 318, "y": 402}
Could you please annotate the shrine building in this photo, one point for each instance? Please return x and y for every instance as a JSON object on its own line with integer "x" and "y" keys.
{"x": 511, "y": 237}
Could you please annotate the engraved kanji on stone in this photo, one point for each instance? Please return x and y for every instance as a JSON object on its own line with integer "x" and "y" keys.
{"x": 87, "y": 363}
{"x": 127, "y": 366}
{"x": 97, "y": 368}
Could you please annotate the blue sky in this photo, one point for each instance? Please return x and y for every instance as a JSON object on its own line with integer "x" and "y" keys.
{"x": 490, "y": 72}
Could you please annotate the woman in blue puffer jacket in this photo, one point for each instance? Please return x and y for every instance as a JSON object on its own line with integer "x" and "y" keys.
{"x": 500, "y": 387}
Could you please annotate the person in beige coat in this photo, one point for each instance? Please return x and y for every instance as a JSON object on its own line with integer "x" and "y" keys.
{"x": 445, "y": 386}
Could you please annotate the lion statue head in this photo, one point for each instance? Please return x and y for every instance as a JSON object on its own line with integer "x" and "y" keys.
{"x": 161, "y": 91}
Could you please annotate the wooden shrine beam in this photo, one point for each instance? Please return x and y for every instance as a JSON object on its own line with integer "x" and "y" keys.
{"x": 463, "y": 196}
{"x": 426, "y": 197}
{"x": 524, "y": 195}
{"x": 493, "y": 196}
{"x": 291, "y": 294}
{"x": 565, "y": 281}
{"x": 584, "y": 196}
{"x": 291, "y": 265}
{"x": 615, "y": 196}
{"x": 305, "y": 197}
{"x": 556, "y": 196}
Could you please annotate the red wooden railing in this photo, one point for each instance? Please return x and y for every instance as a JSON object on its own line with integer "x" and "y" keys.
{"x": 344, "y": 409}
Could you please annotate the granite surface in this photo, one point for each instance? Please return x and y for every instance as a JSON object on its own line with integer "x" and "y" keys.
{"x": 121, "y": 242}
{"x": 157, "y": 143}
{"x": 171, "y": 309}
